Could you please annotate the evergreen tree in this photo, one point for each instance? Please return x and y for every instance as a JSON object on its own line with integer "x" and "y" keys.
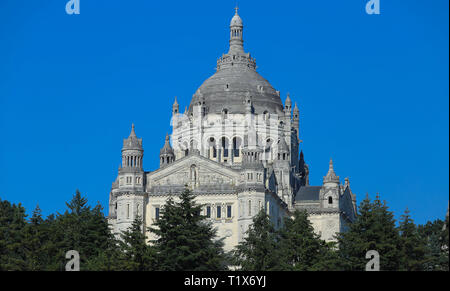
{"x": 82, "y": 229}
{"x": 413, "y": 245}
{"x": 35, "y": 237}
{"x": 436, "y": 251}
{"x": 445, "y": 246}
{"x": 12, "y": 224}
{"x": 185, "y": 241}
{"x": 136, "y": 254}
{"x": 373, "y": 229}
{"x": 300, "y": 249}
{"x": 257, "y": 251}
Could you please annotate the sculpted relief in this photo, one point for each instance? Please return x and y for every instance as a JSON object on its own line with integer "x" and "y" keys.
{"x": 194, "y": 177}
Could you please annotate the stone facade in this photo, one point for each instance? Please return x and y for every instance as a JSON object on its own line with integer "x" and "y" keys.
{"x": 237, "y": 147}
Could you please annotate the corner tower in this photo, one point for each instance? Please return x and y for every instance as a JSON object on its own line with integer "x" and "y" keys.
{"x": 128, "y": 195}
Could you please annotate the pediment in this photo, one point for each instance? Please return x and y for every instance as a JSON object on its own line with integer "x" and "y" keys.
{"x": 193, "y": 170}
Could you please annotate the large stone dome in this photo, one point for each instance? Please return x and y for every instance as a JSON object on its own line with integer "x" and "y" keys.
{"x": 228, "y": 88}
{"x": 235, "y": 79}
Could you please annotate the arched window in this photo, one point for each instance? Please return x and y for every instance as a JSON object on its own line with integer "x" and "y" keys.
{"x": 225, "y": 146}
{"x": 225, "y": 113}
{"x": 236, "y": 146}
{"x": 194, "y": 174}
{"x": 330, "y": 200}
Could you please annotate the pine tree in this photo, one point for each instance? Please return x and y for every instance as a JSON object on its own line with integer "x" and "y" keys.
{"x": 12, "y": 224}
{"x": 445, "y": 246}
{"x": 185, "y": 241}
{"x": 257, "y": 251}
{"x": 413, "y": 245}
{"x": 35, "y": 237}
{"x": 433, "y": 233}
{"x": 82, "y": 229}
{"x": 136, "y": 254}
{"x": 374, "y": 229}
{"x": 300, "y": 249}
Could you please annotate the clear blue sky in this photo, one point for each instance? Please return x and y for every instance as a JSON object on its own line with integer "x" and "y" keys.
{"x": 373, "y": 90}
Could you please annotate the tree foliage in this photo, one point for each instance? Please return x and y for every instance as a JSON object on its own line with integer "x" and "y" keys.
{"x": 185, "y": 240}
{"x": 258, "y": 250}
{"x": 373, "y": 229}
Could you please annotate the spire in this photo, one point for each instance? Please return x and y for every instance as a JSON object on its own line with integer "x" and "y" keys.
{"x": 282, "y": 145}
{"x": 236, "y": 38}
{"x": 132, "y": 134}
{"x": 288, "y": 106}
{"x": 296, "y": 119}
{"x": 166, "y": 155}
{"x": 132, "y": 142}
{"x": 167, "y": 149}
{"x": 347, "y": 183}
{"x": 288, "y": 101}
{"x": 331, "y": 175}
{"x": 167, "y": 139}
{"x": 175, "y": 107}
{"x": 132, "y": 151}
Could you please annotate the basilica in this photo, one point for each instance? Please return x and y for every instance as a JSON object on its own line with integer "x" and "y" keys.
{"x": 237, "y": 147}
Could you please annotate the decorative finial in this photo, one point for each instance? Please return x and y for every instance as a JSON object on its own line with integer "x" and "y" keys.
{"x": 331, "y": 164}
{"x": 236, "y": 9}
{"x": 132, "y": 133}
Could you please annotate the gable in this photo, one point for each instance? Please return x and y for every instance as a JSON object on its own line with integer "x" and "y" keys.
{"x": 192, "y": 170}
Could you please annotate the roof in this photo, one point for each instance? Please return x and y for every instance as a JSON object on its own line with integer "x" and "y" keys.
{"x": 235, "y": 78}
{"x": 308, "y": 193}
{"x": 227, "y": 89}
{"x": 236, "y": 20}
{"x": 132, "y": 142}
{"x": 167, "y": 149}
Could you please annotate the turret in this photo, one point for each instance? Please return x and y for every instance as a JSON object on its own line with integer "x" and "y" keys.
{"x": 330, "y": 192}
{"x": 175, "y": 107}
{"x": 331, "y": 180}
{"x": 236, "y": 34}
{"x": 282, "y": 168}
{"x": 166, "y": 155}
{"x": 129, "y": 196}
{"x": 288, "y": 106}
{"x": 132, "y": 151}
{"x": 296, "y": 120}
